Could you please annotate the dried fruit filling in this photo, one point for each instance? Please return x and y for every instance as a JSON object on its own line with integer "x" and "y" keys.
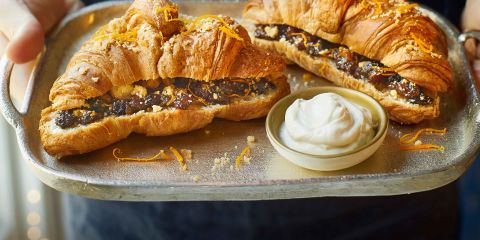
{"x": 153, "y": 95}
{"x": 360, "y": 67}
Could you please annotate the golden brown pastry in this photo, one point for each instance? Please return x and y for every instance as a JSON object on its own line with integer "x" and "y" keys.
{"x": 387, "y": 49}
{"x": 154, "y": 73}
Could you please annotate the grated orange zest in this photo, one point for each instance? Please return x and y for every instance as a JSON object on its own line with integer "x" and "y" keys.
{"x": 364, "y": 4}
{"x": 167, "y": 13}
{"x": 377, "y": 4}
{"x": 378, "y": 7}
{"x": 425, "y": 47}
{"x": 412, "y": 137}
{"x": 117, "y": 151}
{"x": 128, "y": 36}
{"x": 405, "y": 8}
{"x": 238, "y": 160}
{"x": 225, "y": 28}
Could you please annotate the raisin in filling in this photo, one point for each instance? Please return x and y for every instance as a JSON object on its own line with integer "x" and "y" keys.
{"x": 358, "y": 66}
{"x": 179, "y": 93}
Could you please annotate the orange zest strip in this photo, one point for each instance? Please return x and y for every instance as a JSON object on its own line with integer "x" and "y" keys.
{"x": 198, "y": 98}
{"x": 387, "y": 69}
{"x": 387, "y": 73}
{"x": 161, "y": 36}
{"x": 229, "y": 32}
{"x": 238, "y": 160}
{"x": 412, "y": 137}
{"x": 179, "y": 157}
{"x": 117, "y": 151}
{"x": 422, "y": 147}
{"x": 305, "y": 40}
{"x": 246, "y": 93}
{"x": 165, "y": 156}
{"x": 425, "y": 47}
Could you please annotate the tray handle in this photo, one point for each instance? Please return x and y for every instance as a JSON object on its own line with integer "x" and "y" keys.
{"x": 11, "y": 114}
{"x": 463, "y": 37}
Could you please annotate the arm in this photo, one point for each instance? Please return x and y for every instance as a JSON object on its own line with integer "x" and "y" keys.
{"x": 22, "y": 31}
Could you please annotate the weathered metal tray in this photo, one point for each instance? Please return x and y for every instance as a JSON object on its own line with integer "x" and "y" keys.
{"x": 268, "y": 176}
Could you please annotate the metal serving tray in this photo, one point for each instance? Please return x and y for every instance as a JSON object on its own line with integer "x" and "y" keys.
{"x": 268, "y": 176}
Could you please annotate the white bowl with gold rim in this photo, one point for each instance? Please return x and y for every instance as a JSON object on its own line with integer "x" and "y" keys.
{"x": 332, "y": 162}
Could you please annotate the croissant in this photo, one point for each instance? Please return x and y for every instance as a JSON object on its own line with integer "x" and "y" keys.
{"x": 155, "y": 73}
{"x": 387, "y": 49}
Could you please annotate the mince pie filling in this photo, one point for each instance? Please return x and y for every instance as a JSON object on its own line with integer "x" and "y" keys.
{"x": 154, "y": 95}
{"x": 356, "y": 65}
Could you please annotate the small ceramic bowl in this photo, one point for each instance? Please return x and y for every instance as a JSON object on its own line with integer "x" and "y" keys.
{"x": 332, "y": 162}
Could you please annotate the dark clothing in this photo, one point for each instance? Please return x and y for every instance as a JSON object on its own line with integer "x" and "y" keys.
{"x": 452, "y": 10}
{"x": 427, "y": 215}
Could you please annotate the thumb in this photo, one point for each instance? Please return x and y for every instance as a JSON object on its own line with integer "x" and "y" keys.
{"x": 26, "y": 43}
{"x": 25, "y": 33}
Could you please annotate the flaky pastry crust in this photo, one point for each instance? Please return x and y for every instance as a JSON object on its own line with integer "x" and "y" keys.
{"x": 392, "y": 32}
{"x": 63, "y": 142}
{"x": 151, "y": 42}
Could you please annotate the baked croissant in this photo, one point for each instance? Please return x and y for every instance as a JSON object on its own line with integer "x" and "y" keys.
{"x": 387, "y": 49}
{"x": 154, "y": 73}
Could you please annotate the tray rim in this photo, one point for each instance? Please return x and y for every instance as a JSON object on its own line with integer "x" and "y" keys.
{"x": 64, "y": 181}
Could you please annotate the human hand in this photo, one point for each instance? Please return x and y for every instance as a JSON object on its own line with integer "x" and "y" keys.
{"x": 471, "y": 21}
{"x": 24, "y": 24}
